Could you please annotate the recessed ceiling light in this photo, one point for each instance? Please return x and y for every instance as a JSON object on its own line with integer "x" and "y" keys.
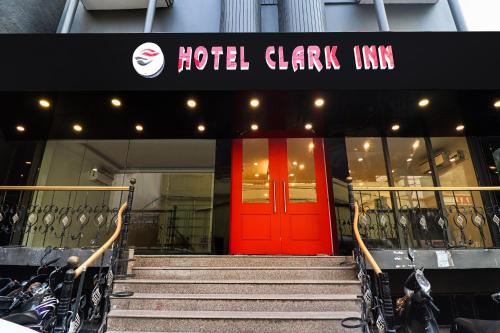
{"x": 77, "y": 128}
{"x": 201, "y": 128}
{"x": 492, "y": 167}
{"x": 44, "y": 103}
{"x": 20, "y": 128}
{"x": 308, "y": 126}
{"x": 416, "y": 144}
{"x": 319, "y": 102}
{"x": 360, "y": 159}
{"x": 460, "y": 127}
{"x": 496, "y": 104}
{"x": 254, "y": 102}
{"x": 27, "y": 162}
{"x": 116, "y": 102}
{"x": 254, "y": 127}
{"x": 255, "y": 163}
{"x": 302, "y": 167}
{"x": 256, "y": 175}
{"x": 453, "y": 159}
{"x": 191, "y": 103}
{"x": 423, "y": 102}
{"x": 139, "y": 127}
{"x": 395, "y": 127}
{"x": 409, "y": 159}
{"x": 366, "y": 145}
{"x": 292, "y": 175}
{"x": 311, "y": 146}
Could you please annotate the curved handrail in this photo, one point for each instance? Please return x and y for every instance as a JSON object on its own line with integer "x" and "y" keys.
{"x": 361, "y": 244}
{"x": 106, "y": 245}
{"x": 426, "y": 188}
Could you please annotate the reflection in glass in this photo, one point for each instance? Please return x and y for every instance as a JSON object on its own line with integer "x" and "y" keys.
{"x": 255, "y": 171}
{"x": 301, "y": 171}
{"x": 454, "y": 168}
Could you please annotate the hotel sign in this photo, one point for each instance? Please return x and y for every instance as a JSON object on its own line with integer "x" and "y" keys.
{"x": 263, "y": 61}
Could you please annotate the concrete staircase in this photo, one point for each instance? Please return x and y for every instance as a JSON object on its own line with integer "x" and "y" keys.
{"x": 236, "y": 294}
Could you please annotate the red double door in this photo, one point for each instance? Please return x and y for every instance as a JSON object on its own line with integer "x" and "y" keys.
{"x": 279, "y": 199}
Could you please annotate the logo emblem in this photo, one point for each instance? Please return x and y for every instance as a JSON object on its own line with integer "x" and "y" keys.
{"x": 148, "y": 60}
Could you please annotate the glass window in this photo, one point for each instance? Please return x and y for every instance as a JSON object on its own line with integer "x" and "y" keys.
{"x": 301, "y": 170}
{"x": 173, "y": 198}
{"x": 255, "y": 171}
{"x": 454, "y": 168}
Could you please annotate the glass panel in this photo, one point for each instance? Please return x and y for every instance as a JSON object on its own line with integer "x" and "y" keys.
{"x": 301, "y": 171}
{"x": 454, "y": 168}
{"x": 255, "y": 174}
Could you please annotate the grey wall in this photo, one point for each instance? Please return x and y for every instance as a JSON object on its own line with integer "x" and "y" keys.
{"x": 353, "y": 17}
{"x": 30, "y": 16}
{"x": 183, "y": 16}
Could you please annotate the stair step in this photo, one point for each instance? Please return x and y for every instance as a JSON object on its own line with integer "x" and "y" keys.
{"x": 247, "y": 273}
{"x": 227, "y": 321}
{"x": 238, "y": 261}
{"x": 239, "y": 286}
{"x": 241, "y": 302}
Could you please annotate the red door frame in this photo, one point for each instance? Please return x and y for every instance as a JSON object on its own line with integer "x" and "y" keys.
{"x": 280, "y": 231}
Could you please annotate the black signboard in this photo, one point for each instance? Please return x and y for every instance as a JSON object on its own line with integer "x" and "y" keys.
{"x": 305, "y": 61}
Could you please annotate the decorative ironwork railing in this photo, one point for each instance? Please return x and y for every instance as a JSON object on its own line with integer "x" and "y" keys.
{"x": 376, "y": 306}
{"x": 426, "y": 217}
{"x": 71, "y": 216}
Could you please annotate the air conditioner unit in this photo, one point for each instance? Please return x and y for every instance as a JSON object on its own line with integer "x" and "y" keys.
{"x": 122, "y": 4}
{"x": 100, "y": 176}
{"x": 400, "y": 2}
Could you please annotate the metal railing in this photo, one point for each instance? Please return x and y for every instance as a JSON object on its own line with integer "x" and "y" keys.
{"x": 377, "y": 309}
{"x": 427, "y": 217}
{"x": 68, "y": 215}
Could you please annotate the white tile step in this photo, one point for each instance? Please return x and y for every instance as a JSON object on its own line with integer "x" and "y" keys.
{"x": 334, "y": 297}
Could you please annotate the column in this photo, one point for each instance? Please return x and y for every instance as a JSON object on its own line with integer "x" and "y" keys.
{"x": 301, "y": 15}
{"x": 240, "y": 16}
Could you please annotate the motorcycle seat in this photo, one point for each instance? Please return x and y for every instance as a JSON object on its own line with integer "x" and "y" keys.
{"x": 465, "y": 325}
{"x": 23, "y": 318}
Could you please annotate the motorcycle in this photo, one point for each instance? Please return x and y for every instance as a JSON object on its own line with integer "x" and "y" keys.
{"x": 465, "y": 325}
{"x": 416, "y": 308}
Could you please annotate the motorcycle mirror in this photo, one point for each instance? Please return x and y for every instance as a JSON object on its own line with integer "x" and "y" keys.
{"x": 496, "y": 297}
{"x": 411, "y": 254}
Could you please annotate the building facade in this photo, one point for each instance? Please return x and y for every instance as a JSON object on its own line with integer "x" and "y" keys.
{"x": 234, "y": 164}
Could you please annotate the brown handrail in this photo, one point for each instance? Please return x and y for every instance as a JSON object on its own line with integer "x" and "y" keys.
{"x": 106, "y": 245}
{"x": 64, "y": 188}
{"x": 362, "y": 245}
{"x": 426, "y": 188}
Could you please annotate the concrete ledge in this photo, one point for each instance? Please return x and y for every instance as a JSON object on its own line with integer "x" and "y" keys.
{"x": 31, "y": 256}
{"x": 439, "y": 259}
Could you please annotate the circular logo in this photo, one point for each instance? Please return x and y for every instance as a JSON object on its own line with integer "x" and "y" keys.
{"x": 148, "y": 60}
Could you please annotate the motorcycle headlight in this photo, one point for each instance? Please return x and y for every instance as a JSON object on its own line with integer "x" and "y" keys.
{"x": 422, "y": 281}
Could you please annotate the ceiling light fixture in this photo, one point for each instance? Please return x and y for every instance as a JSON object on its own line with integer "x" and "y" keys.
{"x": 395, "y": 127}
{"x": 308, "y": 126}
{"x": 460, "y": 127}
{"x": 115, "y": 102}
{"x": 20, "y": 128}
{"x": 311, "y": 146}
{"x": 302, "y": 167}
{"x": 492, "y": 167}
{"x": 496, "y": 104}
{"x": 319, "y": 102}
{"x": 416, "y": 144}
{"x": 77, "y": 128}
{"x": 423, "y": 102}
{"x": 139, "y": 127}
{"x": 27, "y": 162}
{"x": 254, "y": 102}
{"x": 201, "y": 128}
{"x": 360, "y": 159}
{"x": 409, "y": 159}
{"x": 366, "y": 145}
{"x": 191, "y": 103}
{"x": 254, "y": 127}
{"x": 44, "y": 103}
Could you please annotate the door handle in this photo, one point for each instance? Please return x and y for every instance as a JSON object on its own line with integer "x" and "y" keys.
{"x": 274, "y": 196}
{"x": 284, "y": 195}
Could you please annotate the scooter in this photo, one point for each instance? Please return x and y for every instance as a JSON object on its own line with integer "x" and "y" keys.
{"x": 416, "y": 309}
{"x": 465, "y": 325}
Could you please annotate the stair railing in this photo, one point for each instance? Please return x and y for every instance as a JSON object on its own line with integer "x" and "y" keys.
{"x": 377, "y": 308}
{"x": 67, "y": 313}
